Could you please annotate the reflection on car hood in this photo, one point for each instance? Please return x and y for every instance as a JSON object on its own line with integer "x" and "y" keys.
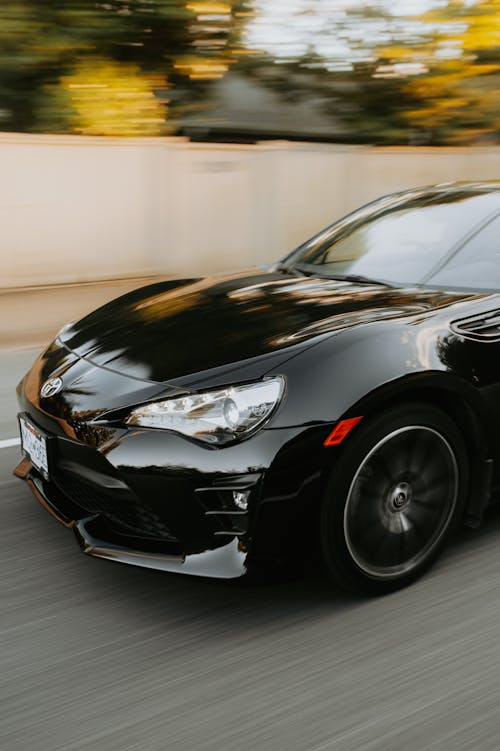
{"x": 177, "y": 328}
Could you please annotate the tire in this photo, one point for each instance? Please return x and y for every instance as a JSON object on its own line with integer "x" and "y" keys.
{"x": 396, "y": 493}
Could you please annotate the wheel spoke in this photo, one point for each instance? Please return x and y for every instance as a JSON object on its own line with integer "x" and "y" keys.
{"x": 405, "y": 529}
{"x": 424, "y": 454}
{"x": 415, "y": 451}
{"x": 418, "y": 530}
{"x": 384, "y": 543}
{"x": 438, "y": 480}
{"x": 425, "y": 503}
{"x": 381, "y": 468}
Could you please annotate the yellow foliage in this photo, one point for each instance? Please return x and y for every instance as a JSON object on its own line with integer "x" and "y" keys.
{"x": 198, "y": 68}
{"x": 114, "y": 99}
{"x": 453, "y": 67}
{"x": 481, "y": 21}
{"x": 209, "y": 8}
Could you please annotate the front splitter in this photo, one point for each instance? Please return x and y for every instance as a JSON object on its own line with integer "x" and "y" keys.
{"x": 227, "y": 562}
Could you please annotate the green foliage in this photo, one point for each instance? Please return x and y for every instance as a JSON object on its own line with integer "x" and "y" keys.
{"x": 42, "y": 41}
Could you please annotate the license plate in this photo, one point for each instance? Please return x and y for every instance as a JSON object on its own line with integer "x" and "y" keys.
{"x": 34, "y": 444}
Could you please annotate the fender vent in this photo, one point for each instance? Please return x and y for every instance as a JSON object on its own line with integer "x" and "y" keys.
{"x": 485, "y": 327}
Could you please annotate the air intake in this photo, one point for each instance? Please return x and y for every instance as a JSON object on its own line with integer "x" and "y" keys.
{"x": 485, "y": 327}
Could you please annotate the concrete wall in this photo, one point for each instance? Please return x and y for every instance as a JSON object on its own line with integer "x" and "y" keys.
{"x": 79, "y": 209}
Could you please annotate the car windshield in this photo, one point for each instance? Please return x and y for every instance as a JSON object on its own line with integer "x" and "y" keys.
{"x": 401, "y": 242}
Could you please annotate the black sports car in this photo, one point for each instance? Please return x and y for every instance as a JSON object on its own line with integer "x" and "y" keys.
{"x": 345, "y": 401}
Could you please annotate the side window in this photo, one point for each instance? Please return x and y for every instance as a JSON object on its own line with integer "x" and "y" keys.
{"x": 476, "y": 264}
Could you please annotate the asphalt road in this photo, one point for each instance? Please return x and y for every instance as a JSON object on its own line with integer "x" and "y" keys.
{"x": 98, "y": 655}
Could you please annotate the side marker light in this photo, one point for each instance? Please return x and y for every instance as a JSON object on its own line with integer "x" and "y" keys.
{"x": 341, "y": 430}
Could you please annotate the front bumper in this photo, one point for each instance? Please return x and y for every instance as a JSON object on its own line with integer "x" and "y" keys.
{"x": 226, "y": 562}
{"x": 124, "y": 505}
{"x": 125, "y": 528}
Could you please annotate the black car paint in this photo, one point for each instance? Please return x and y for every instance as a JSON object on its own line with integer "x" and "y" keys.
{"x": 396, "y": 340}
{"x": 344, "y": 349}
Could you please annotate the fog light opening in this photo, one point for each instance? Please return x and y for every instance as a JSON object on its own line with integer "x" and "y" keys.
{"x": 240, "y": 498}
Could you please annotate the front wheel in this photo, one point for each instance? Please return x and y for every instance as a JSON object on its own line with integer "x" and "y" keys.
{"x": 393, "y": 498}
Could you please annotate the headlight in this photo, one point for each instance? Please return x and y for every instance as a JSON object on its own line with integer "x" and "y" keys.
{"x": 216, "y": 417}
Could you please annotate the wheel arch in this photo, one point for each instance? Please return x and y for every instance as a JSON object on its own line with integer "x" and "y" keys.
{"x": 465, "y": 406}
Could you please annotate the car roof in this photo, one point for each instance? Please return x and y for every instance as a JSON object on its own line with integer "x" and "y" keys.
{"x": 440, "y": 193}
{"x": 480, "y": 186}
{"x": 458, "y": 188}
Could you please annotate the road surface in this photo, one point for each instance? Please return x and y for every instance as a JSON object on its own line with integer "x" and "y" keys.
{"x": 96, "y": 655}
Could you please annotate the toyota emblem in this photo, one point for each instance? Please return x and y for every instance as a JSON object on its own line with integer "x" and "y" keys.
{"x": 51, "y": 387}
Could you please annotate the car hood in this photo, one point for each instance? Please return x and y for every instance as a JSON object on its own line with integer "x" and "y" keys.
{"x": 174, "y": 330}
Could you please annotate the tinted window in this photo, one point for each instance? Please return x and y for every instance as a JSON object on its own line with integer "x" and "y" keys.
{"x": 477, "y": 264}
{"x": 402, "y": 245}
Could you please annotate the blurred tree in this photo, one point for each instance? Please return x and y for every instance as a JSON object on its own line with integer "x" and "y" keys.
{"x": 337, "y": 63}
{"x": 380, "y": 77}
{"x": 113, "y": 99}
{"x": 43, "y": 43}
{"x": 457, "y": 73}
{"x": 384, "y": 78}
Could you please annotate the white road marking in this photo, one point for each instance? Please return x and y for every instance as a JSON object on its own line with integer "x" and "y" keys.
{"x": 10, "y": 442}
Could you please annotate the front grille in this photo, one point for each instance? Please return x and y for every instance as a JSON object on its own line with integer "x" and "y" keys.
{"x": 124, "y": 514}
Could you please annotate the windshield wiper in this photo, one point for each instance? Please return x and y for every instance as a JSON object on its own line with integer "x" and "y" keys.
{"x": 355, "y": 278}
{"x": 360, "y": 279}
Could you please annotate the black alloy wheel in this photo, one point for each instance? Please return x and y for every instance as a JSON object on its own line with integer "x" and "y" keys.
{"x": 394, "y": 496}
